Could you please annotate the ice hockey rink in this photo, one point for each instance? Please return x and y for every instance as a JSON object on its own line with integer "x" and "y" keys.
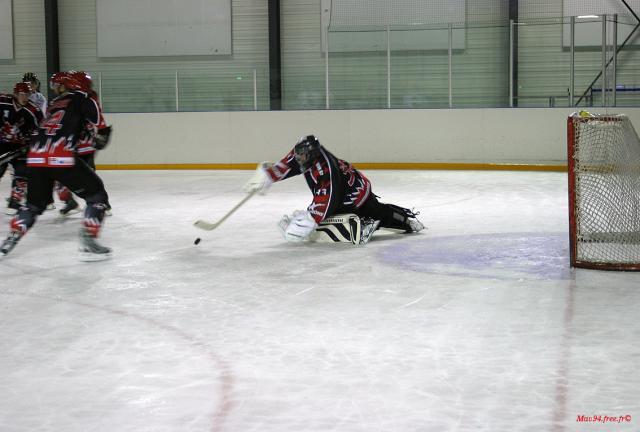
{"x": 476, "y": 324}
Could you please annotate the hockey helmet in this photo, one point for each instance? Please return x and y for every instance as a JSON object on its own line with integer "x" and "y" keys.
{"x": 31, "y": 77}
{"x": 22, "y": 87}
{"x": 70, "y": 83}
{"x": 83, "y": 78}
{"x": 306, "y": 151}
{"x": 56, "y": 79}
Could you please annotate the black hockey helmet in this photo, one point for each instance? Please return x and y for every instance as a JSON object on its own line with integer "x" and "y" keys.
{"x": 306, "y": 151}
{"x": 31, "y": 77}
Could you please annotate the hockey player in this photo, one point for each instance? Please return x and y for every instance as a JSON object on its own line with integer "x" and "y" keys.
{"x": 92, "y": 138}
{"x": 20, "y": 118}
{"x": 36, "y": 97}
{"x": 337, "y": 188}
{"x": 52, "y": 158}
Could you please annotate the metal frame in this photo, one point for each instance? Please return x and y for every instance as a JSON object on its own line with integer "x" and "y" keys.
{"x": 572, "y": 122}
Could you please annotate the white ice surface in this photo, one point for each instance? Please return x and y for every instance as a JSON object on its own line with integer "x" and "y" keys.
{"x": 474, "y": 325}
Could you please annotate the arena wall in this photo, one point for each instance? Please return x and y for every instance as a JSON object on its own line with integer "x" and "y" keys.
{"x": 380, "y": 138}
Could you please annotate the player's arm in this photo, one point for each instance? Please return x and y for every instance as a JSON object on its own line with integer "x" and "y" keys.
{"x": 267, "y": 173}
{"x": 325, "y": 199}
{"x": 32, "y": 118}
{"x": 89, "y": 109}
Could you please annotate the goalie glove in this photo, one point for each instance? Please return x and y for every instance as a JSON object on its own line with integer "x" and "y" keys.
{"x": 103, "y": 136}
{"x": 260, "y": 181}
{"x": 297, "y": 227}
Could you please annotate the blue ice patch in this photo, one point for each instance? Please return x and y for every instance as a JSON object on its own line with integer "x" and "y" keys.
{"x": 543, "y": 256}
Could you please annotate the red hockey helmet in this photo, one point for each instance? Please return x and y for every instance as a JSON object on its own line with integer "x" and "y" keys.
{"x": 83, "y": 78}
{"x": 71, "y": 83}
{"x": 56, "y": 79}
{"x": 22, "y": 87}
{"x": 64, "y": 79}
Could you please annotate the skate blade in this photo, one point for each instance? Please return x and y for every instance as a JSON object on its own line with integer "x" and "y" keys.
{"x": 91, "y": 257}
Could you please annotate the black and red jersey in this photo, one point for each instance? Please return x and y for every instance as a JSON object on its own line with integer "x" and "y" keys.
{"x": 335, "y": 183}
{"x": 17, "y": 122}
{"x": 87, "y": 142}
{"x": 59, "y": 133}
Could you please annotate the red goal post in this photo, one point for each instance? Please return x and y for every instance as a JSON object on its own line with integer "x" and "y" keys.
{"x": 603, "y": 153}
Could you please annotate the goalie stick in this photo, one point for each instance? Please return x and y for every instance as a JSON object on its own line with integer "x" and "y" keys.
{"x": 208, "y": 226}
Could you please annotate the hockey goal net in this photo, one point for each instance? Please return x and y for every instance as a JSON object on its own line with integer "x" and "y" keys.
{"x": 604, "y": 192}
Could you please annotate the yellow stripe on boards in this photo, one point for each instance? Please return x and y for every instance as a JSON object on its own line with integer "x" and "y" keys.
{"x": 359, "y": 165}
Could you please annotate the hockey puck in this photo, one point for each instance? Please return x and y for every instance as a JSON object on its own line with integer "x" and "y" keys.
{"x": 196, "y": 241}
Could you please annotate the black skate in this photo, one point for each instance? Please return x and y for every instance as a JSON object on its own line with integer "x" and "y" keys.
{"x": 414, "y": 225}
{"x": 12, "y": 207}
{"x": 91, "y": 250}
{"x": 408, "y": 219}
{"x": 9, "y": 243}
{"x": 70, "y": 207}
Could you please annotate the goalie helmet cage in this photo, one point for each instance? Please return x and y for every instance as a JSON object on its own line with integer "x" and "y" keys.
{"x": 603, "y": 155}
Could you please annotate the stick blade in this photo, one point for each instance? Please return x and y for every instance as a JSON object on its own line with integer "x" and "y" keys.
{"x": 207, "y": 226}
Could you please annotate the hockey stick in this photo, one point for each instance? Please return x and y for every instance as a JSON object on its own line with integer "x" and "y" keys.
{"x": 208, "y": 226}
{"x": 11, "y": 155}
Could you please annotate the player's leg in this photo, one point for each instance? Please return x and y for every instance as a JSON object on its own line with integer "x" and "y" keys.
{"x": 38, "y": 193}
{"x": 85, "y": 183}
{"x": 70, "y": 205}
{"x": 390, "y": 215}
{"x": 18, "y": 185}
{"x": 3, "y": 169}
{"x": 90, "y": 160}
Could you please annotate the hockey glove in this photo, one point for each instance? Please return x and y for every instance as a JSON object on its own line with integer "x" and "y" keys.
{"x": 9, "y": 132}
{"x": 299, "y": 226}
{"x": 103, "y": 136}
{"x": 260, "y": 181}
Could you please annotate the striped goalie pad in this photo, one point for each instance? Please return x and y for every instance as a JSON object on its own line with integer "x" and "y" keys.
{"x": 345, "y": 228}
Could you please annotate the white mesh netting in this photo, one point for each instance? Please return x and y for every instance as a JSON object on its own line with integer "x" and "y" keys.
{"x": 606, "y": 158}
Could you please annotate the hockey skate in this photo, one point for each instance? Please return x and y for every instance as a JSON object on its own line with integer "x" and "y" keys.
{"x": 91, "y": 250}
{"x": 70, "y": 207}
{"x": 9, "y": 243}
{"x": 12, "y": 207}
{"x": 414, "y": 225}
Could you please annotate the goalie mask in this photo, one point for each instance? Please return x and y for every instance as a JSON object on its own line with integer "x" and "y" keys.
{"x": 306, "y": 151}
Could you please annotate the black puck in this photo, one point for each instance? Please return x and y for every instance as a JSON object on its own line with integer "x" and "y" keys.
{"x": 196, "y": 241}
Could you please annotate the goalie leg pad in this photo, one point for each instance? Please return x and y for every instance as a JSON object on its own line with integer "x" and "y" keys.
{"x": 346, "y": 228}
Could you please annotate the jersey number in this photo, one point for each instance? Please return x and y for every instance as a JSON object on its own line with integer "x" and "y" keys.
{"x": 53, "y": 124}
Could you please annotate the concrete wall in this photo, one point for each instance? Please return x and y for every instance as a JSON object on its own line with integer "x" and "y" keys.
{"x": 526, "y": 136}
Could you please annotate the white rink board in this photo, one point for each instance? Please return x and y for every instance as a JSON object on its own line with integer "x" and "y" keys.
{"x": 526, "y": 136}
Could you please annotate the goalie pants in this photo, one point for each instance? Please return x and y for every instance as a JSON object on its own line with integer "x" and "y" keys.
{"x": 389, "y": 215}
{"x": 82, "y": 181}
